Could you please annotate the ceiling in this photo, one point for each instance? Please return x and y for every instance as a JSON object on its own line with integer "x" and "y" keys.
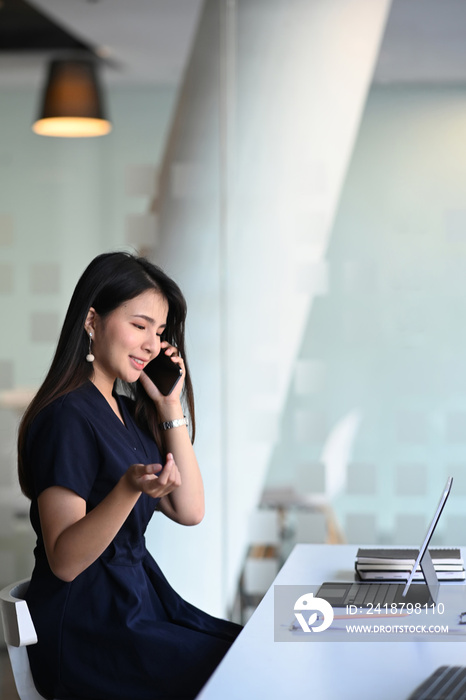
{"x": 144, "y": 41}
{"x": 148, "y": 41}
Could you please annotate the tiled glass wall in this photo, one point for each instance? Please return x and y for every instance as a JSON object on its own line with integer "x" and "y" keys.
{"x": 61, "y": 203}
{"x": 378, "y": 400}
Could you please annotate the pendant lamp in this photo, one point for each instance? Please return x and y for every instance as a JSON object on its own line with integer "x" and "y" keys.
{"x": 72, "y": 103}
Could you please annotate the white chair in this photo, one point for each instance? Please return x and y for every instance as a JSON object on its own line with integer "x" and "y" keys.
{"x": 19, "y": 631}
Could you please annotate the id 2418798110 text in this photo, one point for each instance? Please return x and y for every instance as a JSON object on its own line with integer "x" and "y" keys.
{"x": 396, "y": 609}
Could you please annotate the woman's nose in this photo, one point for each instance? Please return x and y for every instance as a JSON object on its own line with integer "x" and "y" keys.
{"x": 152, "y": 344}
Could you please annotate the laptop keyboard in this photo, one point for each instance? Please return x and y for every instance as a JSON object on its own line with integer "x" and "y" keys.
{"x": 446, "y": 683}
{"x": 367, "y": 594}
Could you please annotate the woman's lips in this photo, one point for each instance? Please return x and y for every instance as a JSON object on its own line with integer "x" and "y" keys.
{"x": 136, "y": 362}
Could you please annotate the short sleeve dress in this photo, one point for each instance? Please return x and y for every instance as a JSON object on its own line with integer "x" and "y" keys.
{"x": 118, "y": 631}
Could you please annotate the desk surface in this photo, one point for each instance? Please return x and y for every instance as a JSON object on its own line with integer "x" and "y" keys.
{"x": 257, "y": 667}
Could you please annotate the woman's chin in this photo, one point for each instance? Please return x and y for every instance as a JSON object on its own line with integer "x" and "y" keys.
{"x": 131, "y": 376}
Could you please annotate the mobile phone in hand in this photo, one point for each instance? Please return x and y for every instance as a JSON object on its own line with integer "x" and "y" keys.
{"x": 164, "y": 373}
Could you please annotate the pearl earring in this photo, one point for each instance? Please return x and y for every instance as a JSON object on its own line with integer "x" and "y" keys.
{"x": 90, "y": 357}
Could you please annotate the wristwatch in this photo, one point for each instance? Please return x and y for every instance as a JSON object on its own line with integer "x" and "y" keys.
{"x": 173, "y": 423}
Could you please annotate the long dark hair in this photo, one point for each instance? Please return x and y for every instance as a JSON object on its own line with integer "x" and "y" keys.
{"x": 109, "y": 281}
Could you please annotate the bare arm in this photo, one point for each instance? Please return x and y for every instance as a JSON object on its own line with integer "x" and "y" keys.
{"x": 185, "y": 505}
{"x": 73, "y": 539}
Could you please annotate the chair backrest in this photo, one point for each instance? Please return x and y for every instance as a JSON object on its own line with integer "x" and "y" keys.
{"x": 19, "y": 631}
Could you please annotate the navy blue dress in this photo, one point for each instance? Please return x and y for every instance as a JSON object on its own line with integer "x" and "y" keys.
{"x": 118, "y": 631}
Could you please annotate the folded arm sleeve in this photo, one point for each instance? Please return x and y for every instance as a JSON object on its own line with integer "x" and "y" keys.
{"x": 62, "y": 449}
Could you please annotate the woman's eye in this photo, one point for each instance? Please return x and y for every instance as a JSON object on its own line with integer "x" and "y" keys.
{"x": 141, "y": 328}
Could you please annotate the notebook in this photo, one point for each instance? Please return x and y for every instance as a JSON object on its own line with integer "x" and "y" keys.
{"x": 368, "y": 595}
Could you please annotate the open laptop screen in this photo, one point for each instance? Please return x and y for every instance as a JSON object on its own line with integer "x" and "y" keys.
{"x": 424, "y": 559}
{"x": 370, "y": 594}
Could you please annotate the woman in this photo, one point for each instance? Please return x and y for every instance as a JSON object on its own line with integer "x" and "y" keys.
{"x": 96, "y": 464}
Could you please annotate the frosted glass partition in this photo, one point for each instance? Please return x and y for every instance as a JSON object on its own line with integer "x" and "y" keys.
{"x": 384, "y": 348}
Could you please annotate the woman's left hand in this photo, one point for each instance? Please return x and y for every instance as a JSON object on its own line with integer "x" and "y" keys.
{"x": 153, "y": 392}
{"x": 185, "y": 503}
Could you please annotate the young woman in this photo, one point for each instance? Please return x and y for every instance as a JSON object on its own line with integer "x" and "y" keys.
{"x": 96, "y": 463}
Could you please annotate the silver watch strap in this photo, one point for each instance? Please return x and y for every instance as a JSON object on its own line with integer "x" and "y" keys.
{"x": 174, "y": 423}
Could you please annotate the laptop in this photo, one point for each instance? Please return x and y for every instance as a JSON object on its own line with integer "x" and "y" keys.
{"x": 370, "y": 594}
{"x": 446, "y": 683}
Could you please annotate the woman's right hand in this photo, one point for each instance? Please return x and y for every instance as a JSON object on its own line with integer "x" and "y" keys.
{"x": 75, "y": 538}
{"x": 153, "y": 479}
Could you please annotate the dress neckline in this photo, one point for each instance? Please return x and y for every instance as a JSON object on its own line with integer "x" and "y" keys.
{"x": 128, "y": 426}
{"x": 123, "y": 420}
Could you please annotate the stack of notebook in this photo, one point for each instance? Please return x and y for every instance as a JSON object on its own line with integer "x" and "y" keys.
{"x": 396, "y": 564}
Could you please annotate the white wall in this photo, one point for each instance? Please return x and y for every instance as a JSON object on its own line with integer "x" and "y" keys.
{"x": 270, "y": 112}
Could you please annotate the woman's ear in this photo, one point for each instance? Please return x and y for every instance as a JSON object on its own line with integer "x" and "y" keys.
{"x": 89, "y": 323}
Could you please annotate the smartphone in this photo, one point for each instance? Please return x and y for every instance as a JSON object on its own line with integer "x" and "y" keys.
{"x": 164, "y": 373}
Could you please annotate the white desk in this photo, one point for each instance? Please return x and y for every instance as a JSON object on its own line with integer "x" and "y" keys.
{"x": 257, "y": 668}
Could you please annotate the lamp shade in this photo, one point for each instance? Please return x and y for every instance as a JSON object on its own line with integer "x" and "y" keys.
{"x": 72, "y": 104}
